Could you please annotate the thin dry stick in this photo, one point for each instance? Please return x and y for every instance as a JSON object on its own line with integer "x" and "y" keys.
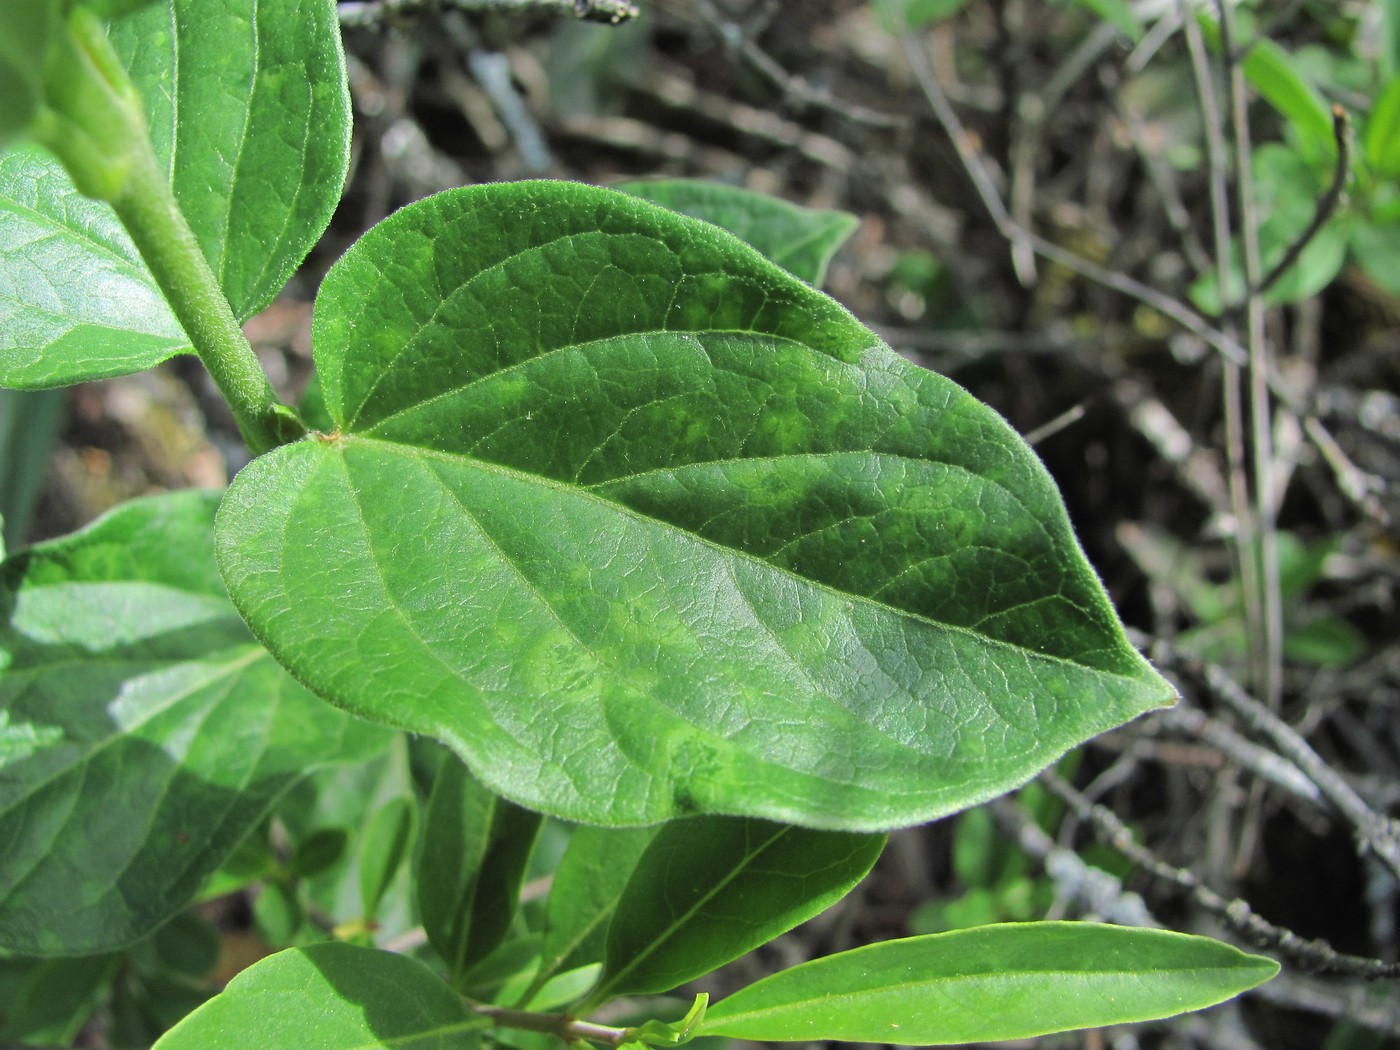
{"x": 1232, "y": 399}
{"x": 1228, "y": 347}
{"x": 1260, "y": 409}
{"x": 795, "y": 87}
{"x": 1236, "y": 914}
{"x": 375, "y": 12}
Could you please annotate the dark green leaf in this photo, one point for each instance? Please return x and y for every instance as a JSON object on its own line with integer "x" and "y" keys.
{"x": 248, "y": 107}
{"x": 990, "y": 983}
{"x": 1118, "y": 14}
{"x": 709, "y": 889}
{"x": 145, "y": 731}
{"x": 800, "y": 240}
{"x": 47, "y": 1001}
{"x": 388, "y": 838}
{"x": 29, "y": 423}
{"x": 471, "y": 866}
{"x": 1377, "y": 249}
{"x": 330, "y": 997}
{"x": 641, "y": 525}
{"x": 321, "y": 850}
{"x": 188, "y": 945}
{"x": 587, "y": 886}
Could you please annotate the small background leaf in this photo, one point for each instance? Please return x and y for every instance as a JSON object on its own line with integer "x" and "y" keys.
{"x": 330, "y": 997}
{"x": 991, "y": 983}
{"x": 159, "y": 733}
{"x": 709, "y": 889}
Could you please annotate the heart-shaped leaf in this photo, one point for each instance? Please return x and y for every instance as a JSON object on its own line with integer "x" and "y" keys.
{"x": 641, "y": 525}
{"x": 989, "y": 983}
{"x": 249, "y": 110}
{"x": 143, "y": 733}
{"x": 329, "y": 997}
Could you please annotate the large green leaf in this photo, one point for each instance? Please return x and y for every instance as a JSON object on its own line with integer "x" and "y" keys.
{"x": 143, "y": 733}
{"x": 800, "y": 240}
{"x": 641, "y": 525}
{"x": 471, "y": 866}
{"x": 709, "y": 889}
{"x": 989, "y": 983}
{"x": 249, "y": 110}
{"x": 330, "y": 997}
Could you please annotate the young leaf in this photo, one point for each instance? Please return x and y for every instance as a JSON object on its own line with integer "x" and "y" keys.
{"x": 329, "y": 997}
{"x": 990, "y": 983}
{"x": 800, "y": 240}
{"x": 583, "y": 896}
{"x": 387, "y": 840}
{"x": 248, "y": 107}
{"x": 475, "y": 848}
{"x": 143, "y": 733}
{"x": 641, "y": 525}
{"x": 709, "y": 889}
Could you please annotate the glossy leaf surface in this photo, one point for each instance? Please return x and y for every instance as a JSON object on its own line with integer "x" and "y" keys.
{"x": 709, "y": 889}
{"x": 329, "y": 997}
{"x": 584, "y": 894}
{"x": 471, "y": 866}
{"x": 800, "y": 240}
{"x": 990, "y": 983}
{"x": 143, "y": 732}
{"x": 248, "y": 108}
{"x": 641, "y": 525}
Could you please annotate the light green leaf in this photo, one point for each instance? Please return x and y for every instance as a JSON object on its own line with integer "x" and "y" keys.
{"x": 471, "y": 866}
{"x": 1383, "y": 132}
{"x": 1270, "y": 71}
{"x": 641, "y": 525}
{"x": 709, "y": 889}
{"x": 1377, "y": 249}
{"x": 901, "y": 15}
{"x": 990, "y": 983}
{"x": 583, "y": 896}
{"x": 800, "y": 240}
{"x": 159, "y": 733}
{"x": 248, "y": 108}
{"x": 330, "y": 997}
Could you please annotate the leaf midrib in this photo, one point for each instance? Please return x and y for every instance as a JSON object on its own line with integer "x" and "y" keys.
{"x": 620, "y": 508}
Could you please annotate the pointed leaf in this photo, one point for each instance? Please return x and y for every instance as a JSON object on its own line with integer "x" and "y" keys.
{"x": 990, "y": 983}
{"x": 329, "y": 997}
{"x": 641, "y": 525}
{"x": 387, "y": 840}
{"x": 709, "y": 889}
{"x": 800, "y": 240}
{"x": 471, "y": 866}
{"x": 583, "y": 896}
{"x": 248, "y": 107}
{"x": 143, "y": 733}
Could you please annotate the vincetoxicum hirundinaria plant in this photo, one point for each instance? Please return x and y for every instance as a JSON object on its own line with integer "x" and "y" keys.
{"x": 618, "y": 507}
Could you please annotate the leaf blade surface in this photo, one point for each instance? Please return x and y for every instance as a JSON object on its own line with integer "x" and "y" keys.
{"x": 755, "y": 563}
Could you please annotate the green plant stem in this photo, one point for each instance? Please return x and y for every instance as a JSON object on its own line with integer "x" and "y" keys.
{"x": 147, "y": 208}
{"x": 93, "y": 122}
